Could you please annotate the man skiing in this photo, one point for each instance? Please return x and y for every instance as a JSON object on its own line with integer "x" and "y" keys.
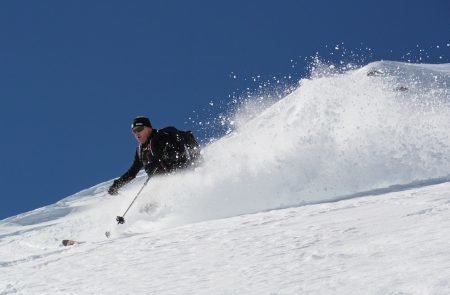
{"x": 159, "y": 151}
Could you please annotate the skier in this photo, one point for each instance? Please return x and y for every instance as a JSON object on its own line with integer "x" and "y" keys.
{"x": 159, "y": 151}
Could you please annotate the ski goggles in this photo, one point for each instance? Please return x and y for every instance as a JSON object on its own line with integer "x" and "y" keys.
{"x": 138, "y": 129}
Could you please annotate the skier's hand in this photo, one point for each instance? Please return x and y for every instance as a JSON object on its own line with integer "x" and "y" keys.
{"x": 113, "y": 189}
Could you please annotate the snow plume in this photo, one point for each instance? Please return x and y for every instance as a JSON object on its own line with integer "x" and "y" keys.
{"x": 336, "y": 135}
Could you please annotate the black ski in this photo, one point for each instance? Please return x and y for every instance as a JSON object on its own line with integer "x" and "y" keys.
{"x": 70, "y": 242}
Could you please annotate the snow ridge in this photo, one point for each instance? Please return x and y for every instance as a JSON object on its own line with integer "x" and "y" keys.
{"x": 380, "y": 129}
{"x": 336, "y": 135}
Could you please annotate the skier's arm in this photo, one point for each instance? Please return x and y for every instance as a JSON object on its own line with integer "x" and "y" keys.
{"x": 127, "y": 176}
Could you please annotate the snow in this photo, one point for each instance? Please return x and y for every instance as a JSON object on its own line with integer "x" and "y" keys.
{"x": 341, "y": 187}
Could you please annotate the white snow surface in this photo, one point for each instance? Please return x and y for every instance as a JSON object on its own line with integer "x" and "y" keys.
{"x": 341, "y": 187}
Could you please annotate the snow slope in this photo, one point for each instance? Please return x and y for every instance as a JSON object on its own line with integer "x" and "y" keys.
{"x": 341, "y": 187}
{"x": 391, "y": 244}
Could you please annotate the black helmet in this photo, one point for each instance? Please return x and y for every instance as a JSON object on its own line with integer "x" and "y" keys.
{"x": 141, "y": 121}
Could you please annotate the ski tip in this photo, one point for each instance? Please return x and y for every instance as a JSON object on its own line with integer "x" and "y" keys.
{"x": 69, "y": 242}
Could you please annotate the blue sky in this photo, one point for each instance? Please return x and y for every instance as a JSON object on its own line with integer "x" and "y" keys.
{"x": 73, "y": 74}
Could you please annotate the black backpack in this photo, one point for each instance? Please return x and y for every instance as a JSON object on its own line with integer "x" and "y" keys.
{"x": 185, "y": 143}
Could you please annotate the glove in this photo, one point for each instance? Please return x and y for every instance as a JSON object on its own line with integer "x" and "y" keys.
{"x": 113, "y": 191}
{"x": 114, "y": 188}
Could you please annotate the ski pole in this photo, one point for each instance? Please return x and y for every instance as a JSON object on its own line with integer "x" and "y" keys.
{"x": 121, "y": 219}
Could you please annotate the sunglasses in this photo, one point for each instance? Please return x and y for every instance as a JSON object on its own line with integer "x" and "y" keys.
{"x": 138, "y": 129}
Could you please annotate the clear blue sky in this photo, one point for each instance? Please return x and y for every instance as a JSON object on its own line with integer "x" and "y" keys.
{"x": 74, "y": 73}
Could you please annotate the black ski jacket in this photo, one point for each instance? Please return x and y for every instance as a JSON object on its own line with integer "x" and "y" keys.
{"x": 160, "y": 154}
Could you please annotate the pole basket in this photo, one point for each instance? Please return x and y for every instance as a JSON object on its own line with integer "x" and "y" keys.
{"x": 120, "y": 220}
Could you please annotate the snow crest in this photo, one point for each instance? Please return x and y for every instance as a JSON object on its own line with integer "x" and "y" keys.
{"x": 375, "y": 130}
{"x": 337, "y": 135}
